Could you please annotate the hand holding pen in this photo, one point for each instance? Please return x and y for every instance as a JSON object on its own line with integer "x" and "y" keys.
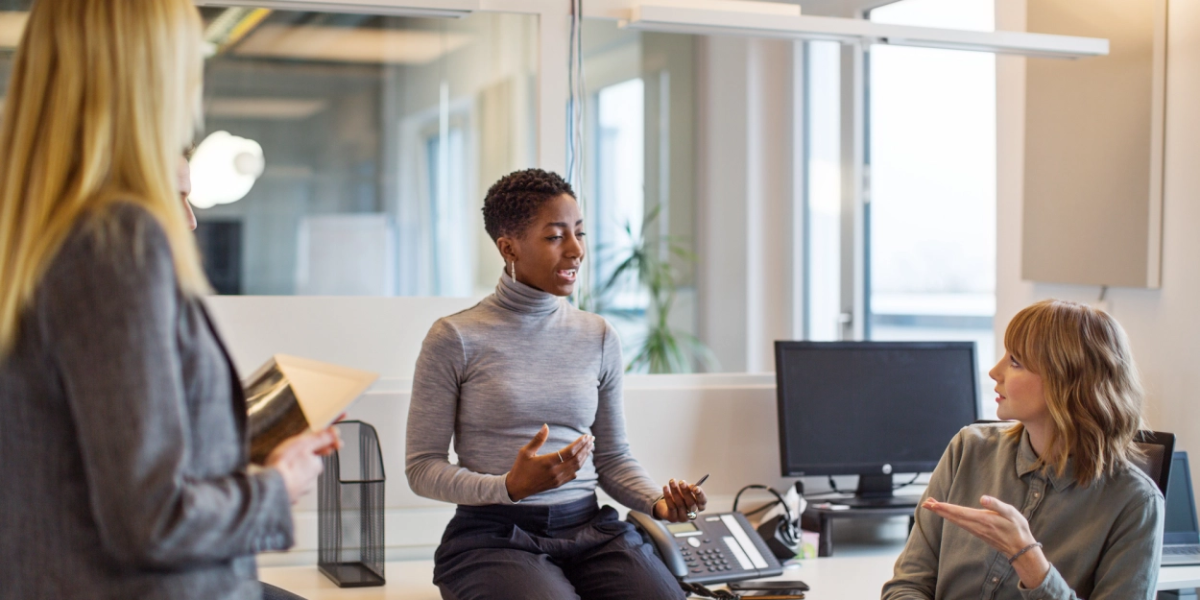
{"x": 681, "y": 501}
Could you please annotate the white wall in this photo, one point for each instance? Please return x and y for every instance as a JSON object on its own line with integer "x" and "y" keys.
{"x": 1163, "y": 325}
{"x": 377, "y": 334}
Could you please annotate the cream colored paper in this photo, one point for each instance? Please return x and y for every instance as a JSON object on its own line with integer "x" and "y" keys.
{"x": 323, "y": 390}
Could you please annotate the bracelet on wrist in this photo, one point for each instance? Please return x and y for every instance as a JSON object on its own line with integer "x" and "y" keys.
{"x": 1014, "y": 557}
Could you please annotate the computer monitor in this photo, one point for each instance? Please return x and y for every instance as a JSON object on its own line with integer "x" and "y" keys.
{"x": 871, "y": 409}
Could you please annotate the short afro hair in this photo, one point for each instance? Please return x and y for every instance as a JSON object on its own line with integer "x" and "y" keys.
{"x": 512, "y": 202}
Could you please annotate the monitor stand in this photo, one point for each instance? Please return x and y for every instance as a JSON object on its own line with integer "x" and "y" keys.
{"x": 875, "y": 491}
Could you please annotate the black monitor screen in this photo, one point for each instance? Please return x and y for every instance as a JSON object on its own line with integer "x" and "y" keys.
{"x": 849, "y": 408}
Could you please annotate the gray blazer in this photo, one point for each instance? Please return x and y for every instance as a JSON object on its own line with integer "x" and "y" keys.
{"x": 123, "y": 452}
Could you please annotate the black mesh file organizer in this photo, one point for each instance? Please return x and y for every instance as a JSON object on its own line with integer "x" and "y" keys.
{"x": 350, "y": 509}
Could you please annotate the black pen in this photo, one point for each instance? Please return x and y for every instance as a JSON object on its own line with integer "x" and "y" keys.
{"x": 701, "y": 482}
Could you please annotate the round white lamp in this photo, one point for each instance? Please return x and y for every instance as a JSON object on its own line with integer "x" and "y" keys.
{"x": 224, "y": 168}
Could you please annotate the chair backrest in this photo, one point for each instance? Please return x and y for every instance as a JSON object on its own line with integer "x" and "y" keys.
{"x": 1157, "y": 449}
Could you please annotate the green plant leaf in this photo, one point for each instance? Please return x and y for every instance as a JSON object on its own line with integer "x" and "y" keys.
{"x": 644, "y": 264}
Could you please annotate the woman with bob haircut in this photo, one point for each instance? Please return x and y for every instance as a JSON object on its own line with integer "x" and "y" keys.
{"x": 528, "y": 387}
{"x": 123, "y": 450}
{"x": 1064, "y": 512}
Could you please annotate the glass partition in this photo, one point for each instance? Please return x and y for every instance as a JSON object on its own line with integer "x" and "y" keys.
{"x": 378, "y": 136}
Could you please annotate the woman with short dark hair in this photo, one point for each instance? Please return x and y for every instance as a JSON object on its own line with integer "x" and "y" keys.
{"x": 529, "y": 389}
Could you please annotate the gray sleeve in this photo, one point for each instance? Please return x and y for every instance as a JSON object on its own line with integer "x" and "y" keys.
{"x": 109, "y": 305}
{"x": 915, "y": 574}
{"x": 619, "y": 472}
{"x": 431, "y": 419}
{"x": 1128, "y": 567}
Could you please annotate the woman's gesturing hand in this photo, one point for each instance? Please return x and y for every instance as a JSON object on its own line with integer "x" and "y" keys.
{"x": 1002, "y": 527}
{"x": 679, "y": 499}
{"x": 298, "y": 460}
{"x": 531, "y": 473}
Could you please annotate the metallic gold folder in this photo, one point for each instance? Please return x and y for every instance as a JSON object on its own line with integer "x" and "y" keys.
{"x": 289, "y": 395}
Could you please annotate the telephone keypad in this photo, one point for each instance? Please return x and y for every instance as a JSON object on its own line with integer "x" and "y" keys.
{"x": 711, "y": 560}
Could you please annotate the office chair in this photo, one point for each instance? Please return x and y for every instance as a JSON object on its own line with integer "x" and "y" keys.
{"x": 1157, "y": 448}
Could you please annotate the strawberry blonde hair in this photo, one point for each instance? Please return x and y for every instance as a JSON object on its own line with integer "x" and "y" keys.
{"x": 1091, "y": 385}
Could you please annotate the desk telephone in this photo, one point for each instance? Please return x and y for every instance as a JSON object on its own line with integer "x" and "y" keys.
{"x": 715, "y": 548}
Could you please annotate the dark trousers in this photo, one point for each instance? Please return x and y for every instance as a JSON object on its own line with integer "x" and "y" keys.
{"x": 271, "y": 592}
{"x": 568, "y": 551}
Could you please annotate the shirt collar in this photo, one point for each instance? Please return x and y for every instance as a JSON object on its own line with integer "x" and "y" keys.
{"x": 1027, "y": 462}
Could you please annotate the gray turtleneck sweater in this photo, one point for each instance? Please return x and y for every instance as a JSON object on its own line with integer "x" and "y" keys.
{"x": 491, "y": 375}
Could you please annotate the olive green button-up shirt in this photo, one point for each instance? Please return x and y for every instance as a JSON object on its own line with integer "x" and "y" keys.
{"x": 1103, "y": 541}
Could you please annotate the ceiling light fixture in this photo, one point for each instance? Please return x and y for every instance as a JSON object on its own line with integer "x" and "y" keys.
{"x": 677, "y": 19}
{"x": 224, "y": 168}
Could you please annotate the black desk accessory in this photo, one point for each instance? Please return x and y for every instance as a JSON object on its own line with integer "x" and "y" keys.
{"x": 781, "y": 532}
{"x": 820, "y": 519}
{"x": 769, "y": 584}
{"x": 350, "y": 509}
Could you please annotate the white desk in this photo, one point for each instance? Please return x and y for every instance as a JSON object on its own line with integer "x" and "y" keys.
{"x": 407, "y": 580}
{"x": 830, "y": 578}
{"x": 1178, "y": 578}
{"x": 835, "y": 578}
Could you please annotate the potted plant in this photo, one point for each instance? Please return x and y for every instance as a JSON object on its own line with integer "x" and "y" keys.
{"x": 645, "y": 264}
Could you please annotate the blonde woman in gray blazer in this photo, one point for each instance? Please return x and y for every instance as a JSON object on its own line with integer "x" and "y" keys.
{"x": 123, "y": 454}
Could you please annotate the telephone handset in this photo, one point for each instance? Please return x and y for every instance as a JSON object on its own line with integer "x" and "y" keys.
{"x": 715, "y": 548}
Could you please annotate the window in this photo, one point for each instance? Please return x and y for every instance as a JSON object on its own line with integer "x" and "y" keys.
{"x": 618, "y": 202}
{"x": 931, "y": 218}
{"x": 823, "y": 211}
{"x": 452, "y": 252}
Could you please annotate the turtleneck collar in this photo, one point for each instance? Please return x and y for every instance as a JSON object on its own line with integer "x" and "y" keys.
{"x": 521, "y": 298}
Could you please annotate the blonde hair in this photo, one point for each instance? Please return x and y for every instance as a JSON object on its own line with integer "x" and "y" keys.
{"x": 1090, "y": 382}
{"x": 104, "y": 97}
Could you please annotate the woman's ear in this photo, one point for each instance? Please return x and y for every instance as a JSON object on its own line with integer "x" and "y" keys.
{"x": 508, "y": 249}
